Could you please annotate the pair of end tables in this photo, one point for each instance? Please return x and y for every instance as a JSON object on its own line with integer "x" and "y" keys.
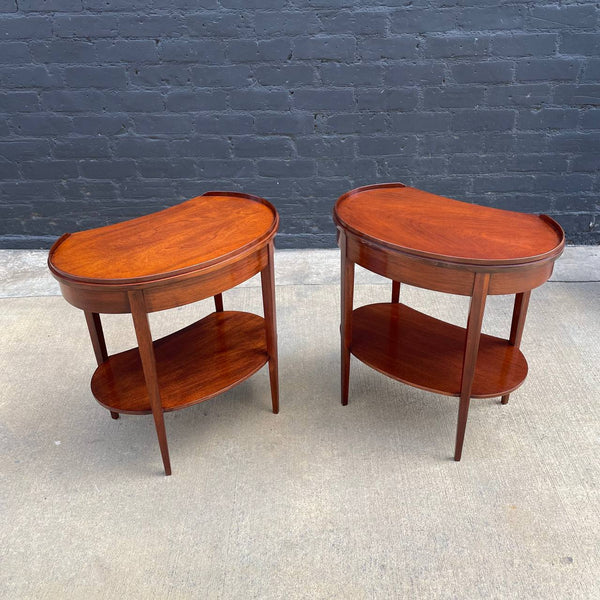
{"x": 212, "y": 243}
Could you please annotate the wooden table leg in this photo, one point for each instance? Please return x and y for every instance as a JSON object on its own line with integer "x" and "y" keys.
{"x": 219, "y": 302}
{"x": 480, "y": 288}
{"x": 267, "y": 279}
{"x": 97, "y": 336}
{"x": 518, "y": 323}
{"x": 146, "y": 349}
{"x": 395, "y": 292}
{"x": 347, "y": 298}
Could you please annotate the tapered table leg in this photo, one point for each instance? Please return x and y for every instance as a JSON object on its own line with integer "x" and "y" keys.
{"x": 518, "y": 323}
{"x": 395, "y": 292}
{"x": 267, "y": 279}
{"x": 219, "y": 302}
{"x": 347, "y": 298}
{"x": 146, "y": 349}
{"x": 480, "y": 288}
{"x": 99, "y": 344}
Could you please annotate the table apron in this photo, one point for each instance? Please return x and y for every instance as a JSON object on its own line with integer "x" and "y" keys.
{"x": 514, "y": 280}
{"x": 451, "y": 278}
{"x": 168, "y": 293}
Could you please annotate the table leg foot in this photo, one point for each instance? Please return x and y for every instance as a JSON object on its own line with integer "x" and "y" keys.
{"x": 463, "y": 414}
{"x": 505, "y": 399}
{"x": 274, "y": 380}
{"x": 345, "y": 382}
{"x": 114, "y": 415}
{"x": 159, "y": 423}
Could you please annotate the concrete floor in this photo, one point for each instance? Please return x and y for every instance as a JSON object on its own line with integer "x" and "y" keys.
{"x": 320, "y": 501}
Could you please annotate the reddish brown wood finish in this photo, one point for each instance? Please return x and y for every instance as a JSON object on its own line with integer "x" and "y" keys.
{"x": 194, "y": 364}
{"x": 267, "y": 278}
{"x": 427, "y": 353}
{"x": 146, "y": 353}
{"x": 97, "y": 336}
{"x": 205, "y": 230}
{"x": 169, "y": 292}
{"x": 347, "y": 298}
{"x": 180, "y": 255}
{"x": 393, "y": 215}
{"x": 480, "y": 290}
{"x": 440, "y": 244}
{"x": 219, "y": 302}
{"x": 518, "y": 323}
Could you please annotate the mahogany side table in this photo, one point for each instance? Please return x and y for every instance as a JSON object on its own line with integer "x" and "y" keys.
{"x": 436, "y": 243}
{"x": 185, "y": 253}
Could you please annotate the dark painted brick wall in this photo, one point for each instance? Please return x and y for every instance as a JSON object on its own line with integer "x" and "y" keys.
{"x": 117, "y": 108}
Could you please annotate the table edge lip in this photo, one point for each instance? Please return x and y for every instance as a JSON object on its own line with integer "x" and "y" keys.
{"x": 553, "y": 253}
{"x": 63, "y": 276}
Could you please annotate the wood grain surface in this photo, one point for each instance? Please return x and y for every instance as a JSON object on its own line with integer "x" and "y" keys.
{"x": 427, "y": 353}
{"x": 193, "y": 364}
{"x": 425, "y": 224}
{"x": 191, "y": 235}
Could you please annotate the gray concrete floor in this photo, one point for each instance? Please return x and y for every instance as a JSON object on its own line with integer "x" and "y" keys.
{"x": 320, "y": 501}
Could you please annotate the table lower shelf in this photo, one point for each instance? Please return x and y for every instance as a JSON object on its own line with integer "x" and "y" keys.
{"x": 193, "y": 364}
{"x": 428, "y": 353}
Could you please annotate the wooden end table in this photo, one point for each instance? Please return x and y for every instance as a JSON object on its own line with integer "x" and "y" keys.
{"x": 185, "y": 253}
{"x": 449, "y": 246}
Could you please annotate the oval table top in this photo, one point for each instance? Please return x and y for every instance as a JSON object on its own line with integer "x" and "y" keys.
{"x": 423, "y": 224}
{"x": 190, "y": 236}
